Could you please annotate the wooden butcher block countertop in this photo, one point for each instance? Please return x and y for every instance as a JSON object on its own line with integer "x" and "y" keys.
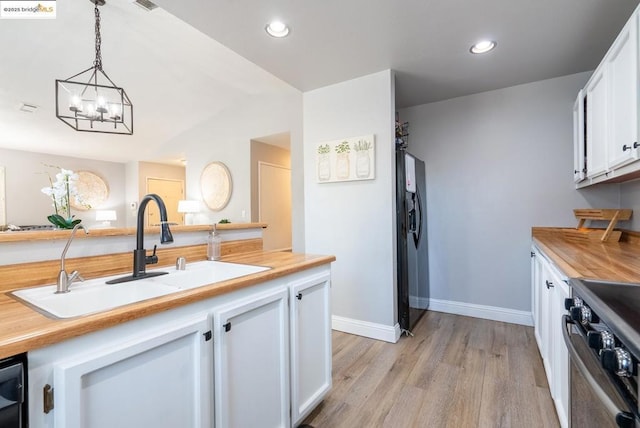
{"x": 23, "y": 329}
{"x": 611, "y": 261}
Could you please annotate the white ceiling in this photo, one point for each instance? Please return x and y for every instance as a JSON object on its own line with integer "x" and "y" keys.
{"x": 426, "y": 41}
{"x": 178, "y": 77}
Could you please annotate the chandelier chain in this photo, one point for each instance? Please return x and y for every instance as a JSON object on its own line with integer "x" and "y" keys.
{"x": 98, "y": 61}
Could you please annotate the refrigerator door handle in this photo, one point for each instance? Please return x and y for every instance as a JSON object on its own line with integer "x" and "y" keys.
{"x": 417, "y": 207}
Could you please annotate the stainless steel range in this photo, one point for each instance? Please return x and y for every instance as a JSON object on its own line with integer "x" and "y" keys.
{"x": 602, "y": 334}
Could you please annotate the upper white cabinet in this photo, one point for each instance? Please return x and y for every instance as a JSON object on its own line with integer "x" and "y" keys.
{"x": 596, "y": 95}
{"x": 606, "y": 129}
{"x": 579, "y": 159}
{"x": 622, "y": 78}
{"x": 310, "y": 344}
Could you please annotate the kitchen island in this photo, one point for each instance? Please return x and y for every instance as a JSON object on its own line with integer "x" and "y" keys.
{"x": 191, "y": 357}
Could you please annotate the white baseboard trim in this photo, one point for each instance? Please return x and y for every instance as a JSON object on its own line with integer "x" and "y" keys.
{"x": 481, "y": 311}
{"x": 366, "y": 329}
{"x": 419, "y": 302}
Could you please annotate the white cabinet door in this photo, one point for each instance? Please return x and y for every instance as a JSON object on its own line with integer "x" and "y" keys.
{"x": 251, "y": 361}
{"x": 560, "y": 353}
{"x": 579, "y": 159}
{"x": 310, "y": 344}
{"x": 536, "y": 290}
{"x": 551, "y": 291}
{"x": 546, "y": 299}
{"x": 160, "y": 379}
{"x": 622, "y": 76}
{"x": 596, "y": 95}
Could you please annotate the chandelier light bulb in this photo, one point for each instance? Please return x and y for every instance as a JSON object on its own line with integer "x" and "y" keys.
{"x": 101, "y": 104}
{"x": 115, "y": 110}
{"x": 91, "y": 110}
{"x": 75, "y": 103}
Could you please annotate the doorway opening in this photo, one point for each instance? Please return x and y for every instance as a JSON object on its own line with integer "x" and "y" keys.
{"x": 271, "y": 189}
{"x": 171, "y": 191}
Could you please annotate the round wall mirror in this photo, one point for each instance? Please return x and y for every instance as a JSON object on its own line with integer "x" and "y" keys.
{"x": 92, "y": 190}
{"x": 215, "y": 185}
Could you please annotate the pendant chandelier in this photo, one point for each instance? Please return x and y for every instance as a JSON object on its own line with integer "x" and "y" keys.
{"x": 89, "y": 101}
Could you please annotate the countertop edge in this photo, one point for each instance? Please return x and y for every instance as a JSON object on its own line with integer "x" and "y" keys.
{"x": 53, "y": 331}
{"x": 46, "y": 235}
{"x": 610, "y": 261}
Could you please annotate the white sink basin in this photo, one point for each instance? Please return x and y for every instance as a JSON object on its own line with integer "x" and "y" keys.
{"x": 95, "y": 295}
{"x": 203, "y": 273}
{"x": 92, "y": 296}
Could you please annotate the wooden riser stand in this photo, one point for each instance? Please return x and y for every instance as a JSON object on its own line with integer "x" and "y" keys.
{"x": 581, "y": 233}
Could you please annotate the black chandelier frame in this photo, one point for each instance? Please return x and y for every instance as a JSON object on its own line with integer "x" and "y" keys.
{"x": 93, "y": 102}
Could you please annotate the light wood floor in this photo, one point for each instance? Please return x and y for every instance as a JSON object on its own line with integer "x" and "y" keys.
{"x": 455, "y": 372}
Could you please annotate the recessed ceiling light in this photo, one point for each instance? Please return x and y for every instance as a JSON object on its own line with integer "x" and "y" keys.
{"x": 483, "y": 46}
{"x": 277, "y": 29}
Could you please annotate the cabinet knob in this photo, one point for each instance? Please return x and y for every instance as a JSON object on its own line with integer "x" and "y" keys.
{"x": 549, "y": 284}
{"x": 636, "y": 145}
{"x": 299, "y": 296}
{"x": 625, "y": 148}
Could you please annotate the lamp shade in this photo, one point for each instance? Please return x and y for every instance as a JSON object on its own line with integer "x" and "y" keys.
{"x": 188, "y": 206}
{"x": 106, "y": 215}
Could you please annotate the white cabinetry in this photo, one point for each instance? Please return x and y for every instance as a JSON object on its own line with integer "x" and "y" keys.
{"x": 258, "y": 356}
{"x": 153, "y": 376}
{"x": 612, "y": 121}
{"x": 251, "y": 354}
{"x": 559, "y": 353}
{"x": 596, "y": 95}
{"x": 550, "y": 290}
{"x": 579, "y": 154}
{"x": 310, "y": 344}
{"x": 622, "y": 77}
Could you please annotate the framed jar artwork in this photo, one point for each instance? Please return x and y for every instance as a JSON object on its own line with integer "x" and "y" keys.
{"x": 216, "y": 185}
{"x": 92, "y": 191}
{"x": 347, "y": 159}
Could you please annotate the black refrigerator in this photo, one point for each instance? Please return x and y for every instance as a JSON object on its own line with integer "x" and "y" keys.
{"x": 412, "y": 255}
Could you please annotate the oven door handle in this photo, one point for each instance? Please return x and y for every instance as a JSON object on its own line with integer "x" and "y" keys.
{"x": 621, "y": 417}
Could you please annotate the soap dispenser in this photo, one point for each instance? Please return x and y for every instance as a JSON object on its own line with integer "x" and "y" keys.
{"x": 213, "y": 245}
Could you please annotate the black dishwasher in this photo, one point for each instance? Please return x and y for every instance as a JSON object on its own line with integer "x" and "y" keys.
{"x": 13, "y": 392}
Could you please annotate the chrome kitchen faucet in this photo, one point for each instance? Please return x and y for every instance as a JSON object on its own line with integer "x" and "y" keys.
{"x": 65, "y": 279}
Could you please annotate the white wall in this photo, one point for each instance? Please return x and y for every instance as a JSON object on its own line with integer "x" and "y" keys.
{"x": 355, "y": 220}
{"x": 497, "y": 164}
{"x": 226, "y": 137}
{"x": 26, "y": 175}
